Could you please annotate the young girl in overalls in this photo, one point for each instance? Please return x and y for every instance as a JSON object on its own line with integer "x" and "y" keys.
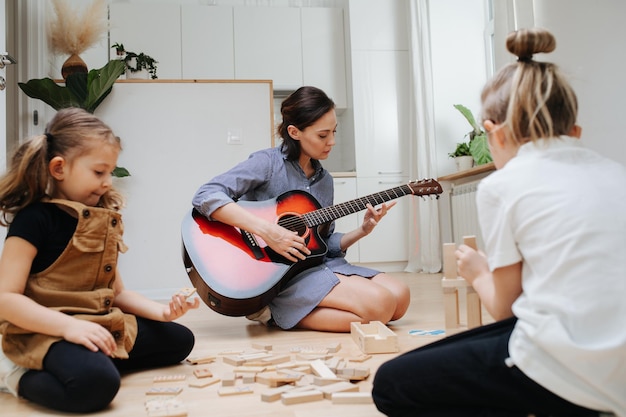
{"x": 68, "y": 324}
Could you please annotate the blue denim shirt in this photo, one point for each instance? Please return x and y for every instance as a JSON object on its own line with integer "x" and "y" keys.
{"x": 265, "y": 175}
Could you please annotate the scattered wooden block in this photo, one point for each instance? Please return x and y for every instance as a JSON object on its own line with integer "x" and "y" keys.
{"x": 273, "y": 394}
{"x": 274, "y": 379}
{"x": 352, "y": 398}
{"x": 169, "y": 407}
{"x": 244, "y": 389}
{"x": 374, "y": 337}
{"x": 261, "y": 346}
{"x": 228, "y": 379}
{"x": 360, "y": 358}
{"x": 205, "y": 382}
{"x": 198, "y": 360}
{"x": 164, "y": 391}
{"x": 169, "y": 378}
{"x": 334, "y": 347}
{"x": 289, "y": 397}
{"x": 319, "y": 368}
{"x": 342, "y": 386}
{"x": 202, "y": 373}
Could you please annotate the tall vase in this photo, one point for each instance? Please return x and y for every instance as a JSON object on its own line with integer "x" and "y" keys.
{"x": 73, "y": 64}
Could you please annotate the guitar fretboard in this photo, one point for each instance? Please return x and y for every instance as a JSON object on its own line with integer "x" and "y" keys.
{"x": 327, "y": 214}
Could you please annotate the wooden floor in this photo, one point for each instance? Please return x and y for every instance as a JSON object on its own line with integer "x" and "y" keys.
{"x": 216, "y": 333}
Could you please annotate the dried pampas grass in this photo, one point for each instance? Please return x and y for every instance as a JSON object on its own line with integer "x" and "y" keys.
{"x": 73, "y": 32}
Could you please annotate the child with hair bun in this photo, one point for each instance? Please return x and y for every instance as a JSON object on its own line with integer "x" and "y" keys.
{"x": 68, "y": 324}
{"x": 553, "y": 218}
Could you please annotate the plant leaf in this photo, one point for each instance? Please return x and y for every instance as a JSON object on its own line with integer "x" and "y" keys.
{"x": 77, "y": 84}
{"x": 480, "y": 150}
{"x": 121, "y": 172}
{"x": 470, "y": 118}
{"x": 100, "y": 81}
{"x": 46, "y": 90}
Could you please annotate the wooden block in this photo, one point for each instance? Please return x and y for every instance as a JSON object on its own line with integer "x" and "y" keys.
{"x": 228, "y": 379}
{"x": 248, "y": 378}
{"x": 326, "y": 381}
{"x": 187, "y": 291}
{"x": 474, "y": 313}
{"x": 250, "y": 369}
{"x": 451, "y": 307}
{"x": 169, "y": 378}
{"x": 165, "y": 407}
{"x": 470, "y": 241}
{"x": 449, "y": 261}
{"x": 352, "y": 398}
{"x": 244, "y": 389}
{"x": 164, "y": 391}
{"x": 261, "y": 346}
{"x": 289, "y": 398}
{"x": 320, "y": 369}
{"x": 204, "y": 382}
{"x": 360, "y": 358}
{"x": 374, "y": 337}
{"x": 334, "y": 347}
{"x": 202, "y": 373}
{"x": 274, "y": 379}
{"x": 273, "y": 394}
{"x": 343, "y": 386}
{"x": 198, "y": 360}
{"x": 233, "y": 360}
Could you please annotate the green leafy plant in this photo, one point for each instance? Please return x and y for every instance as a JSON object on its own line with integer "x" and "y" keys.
{"x": 136, "y": 62}
{"x": 462, "y": 149}
{"x": 478, "y": 147}
{"x": 84, "y": 90}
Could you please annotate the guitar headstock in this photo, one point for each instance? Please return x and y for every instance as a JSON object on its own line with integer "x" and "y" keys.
{"x": 427, "y": 186}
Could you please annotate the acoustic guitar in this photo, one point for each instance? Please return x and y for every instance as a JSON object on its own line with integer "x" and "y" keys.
{"x": 236, "y": 273}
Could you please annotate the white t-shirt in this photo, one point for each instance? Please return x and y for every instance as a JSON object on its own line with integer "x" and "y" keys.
{"x": 561, "y": 210}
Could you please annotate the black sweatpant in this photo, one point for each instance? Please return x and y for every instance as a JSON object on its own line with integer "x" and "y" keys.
{"x": 75, "y": 379}
{"x": 465, "y": 375}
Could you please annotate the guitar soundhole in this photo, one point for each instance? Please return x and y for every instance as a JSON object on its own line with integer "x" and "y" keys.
{"x": 295, "y": 223}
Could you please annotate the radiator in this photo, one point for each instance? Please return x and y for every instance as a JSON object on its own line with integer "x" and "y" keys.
{"x": 464, "y": 213}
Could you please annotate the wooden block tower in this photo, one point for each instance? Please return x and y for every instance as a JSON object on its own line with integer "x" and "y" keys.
{"x": 451, "y": 283}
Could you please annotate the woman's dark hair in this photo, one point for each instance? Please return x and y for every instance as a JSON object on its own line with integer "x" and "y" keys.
{"x": 301, "y": 109}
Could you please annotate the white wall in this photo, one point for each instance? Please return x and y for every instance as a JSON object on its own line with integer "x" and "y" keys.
{"x": 459, "y": 70}
{"x": 591, "y": 38}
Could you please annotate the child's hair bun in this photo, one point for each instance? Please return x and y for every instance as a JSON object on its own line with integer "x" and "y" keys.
{"x": 524, "y": 43}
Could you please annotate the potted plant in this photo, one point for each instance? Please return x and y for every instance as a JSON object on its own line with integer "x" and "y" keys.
{"x": 478, "y": 147}
{"x": 138, "y": 65}
{"x": 462, "y": 156}
{"x": 84, "y": 90}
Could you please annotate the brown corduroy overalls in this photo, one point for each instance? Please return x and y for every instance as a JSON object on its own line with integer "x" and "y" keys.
{"x": 78, "y": 283}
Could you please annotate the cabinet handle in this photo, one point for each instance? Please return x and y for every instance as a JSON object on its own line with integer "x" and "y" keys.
{"x": 340, "y": 182}
{"x": 389, "y": 182}
{"x": 389, "y": 172}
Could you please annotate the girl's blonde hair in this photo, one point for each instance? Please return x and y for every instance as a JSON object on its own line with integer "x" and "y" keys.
{"x": 533, "y": 99}
{"x": 71, "y": 132}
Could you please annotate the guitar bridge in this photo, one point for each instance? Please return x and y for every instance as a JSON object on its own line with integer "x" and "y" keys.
{"x": 252, "y": 243}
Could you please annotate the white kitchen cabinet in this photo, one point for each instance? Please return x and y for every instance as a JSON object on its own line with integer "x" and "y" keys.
{"x": 389, "y": 240}
{"x": 268, "y": 45}
{"x": 152, "y": 29}
{"x": 207, "y": 42}
{"x": 324, "y": 52}
{"x": 345, "y": 190}
{"x": 381, "y": 106}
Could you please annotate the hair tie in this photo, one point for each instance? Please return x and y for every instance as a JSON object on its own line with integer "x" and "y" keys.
{"x": 524, "y": 58}
{"x": 49, "y": 137}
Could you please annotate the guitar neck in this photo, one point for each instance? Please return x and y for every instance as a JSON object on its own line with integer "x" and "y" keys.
{"x": 327, "y": 214}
